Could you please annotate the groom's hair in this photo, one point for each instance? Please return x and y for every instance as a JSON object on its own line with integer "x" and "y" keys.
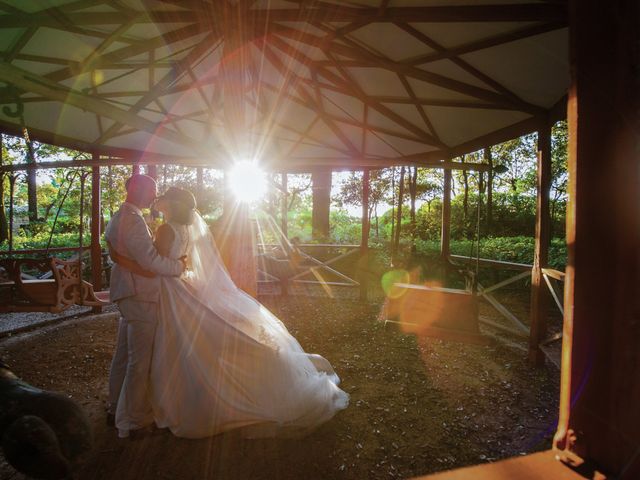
{"x": 137, "y": 182}
{"x": 138, "y": 186}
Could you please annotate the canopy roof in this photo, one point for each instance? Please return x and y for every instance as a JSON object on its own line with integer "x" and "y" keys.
{"x": 298, "y": 84}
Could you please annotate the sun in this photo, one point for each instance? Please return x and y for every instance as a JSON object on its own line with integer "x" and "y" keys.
{"x": 247, "y": 181}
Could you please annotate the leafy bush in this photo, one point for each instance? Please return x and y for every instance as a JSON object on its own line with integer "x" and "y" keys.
{"x": 508, "y": 249}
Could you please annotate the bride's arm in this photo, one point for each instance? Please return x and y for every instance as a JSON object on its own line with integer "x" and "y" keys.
{"x": 164, "y": 239}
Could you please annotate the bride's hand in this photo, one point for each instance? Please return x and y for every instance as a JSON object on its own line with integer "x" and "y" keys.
{"x": 183, "y": 259}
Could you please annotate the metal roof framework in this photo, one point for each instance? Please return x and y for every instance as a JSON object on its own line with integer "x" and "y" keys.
{"x": 295, "y": 84}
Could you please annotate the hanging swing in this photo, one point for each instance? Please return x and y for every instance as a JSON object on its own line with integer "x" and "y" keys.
{"x": 445, "y": 313}
{"x": 58, "y": 284}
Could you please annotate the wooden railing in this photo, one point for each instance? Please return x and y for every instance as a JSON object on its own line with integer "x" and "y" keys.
{"x": 307, "y": 264}
{"x": 549, "y": 274}
{"x": 516, "y": 327}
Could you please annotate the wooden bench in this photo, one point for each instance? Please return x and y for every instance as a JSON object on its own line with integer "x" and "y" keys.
{"x": 65, "y": 288}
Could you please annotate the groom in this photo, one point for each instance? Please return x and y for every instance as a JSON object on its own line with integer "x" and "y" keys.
{"x": 135, "y": 287}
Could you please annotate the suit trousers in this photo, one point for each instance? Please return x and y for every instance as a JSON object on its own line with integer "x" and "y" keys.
{"x": 130, "y": 368}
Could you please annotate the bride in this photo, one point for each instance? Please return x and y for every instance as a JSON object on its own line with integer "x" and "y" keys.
{"x": 221, "y": 360}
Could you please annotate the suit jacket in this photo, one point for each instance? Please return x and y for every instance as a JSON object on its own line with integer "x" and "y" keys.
{"x": 128, "y": 234}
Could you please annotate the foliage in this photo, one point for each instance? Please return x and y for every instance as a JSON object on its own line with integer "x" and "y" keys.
{"x": 509, "y": 237}
{"x": 27, "y": 241}
{"x": 509, "y": 249}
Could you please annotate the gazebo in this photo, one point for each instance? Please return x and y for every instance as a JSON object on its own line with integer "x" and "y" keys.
{"x": 316, "y": 86}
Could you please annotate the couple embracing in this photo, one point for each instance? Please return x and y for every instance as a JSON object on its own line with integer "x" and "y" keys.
{"x": 195, "y": 354}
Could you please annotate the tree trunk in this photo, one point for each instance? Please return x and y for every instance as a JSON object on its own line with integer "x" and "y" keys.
{"x": 413, "y": 190}
{"x": 393, "y": 209}
{"x": 321, "y": 186}
{"x": 47, "y": 211}
{"x": 4, "y": 225}
{"x": 489, "y": 160}
{"x": 377, "y": 224}
{"x": 396, "y": 241}
{"x": 465, "y": 200}
{"x": 32, "y": 195}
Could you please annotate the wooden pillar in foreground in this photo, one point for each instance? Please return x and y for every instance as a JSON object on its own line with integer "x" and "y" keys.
{"x": 539, "y": 291}
{"x": 240, "y": 240}
{"x": 600, "y": 388}
{"x": 364, "y": 242}
{"x": 445, "y": 236}
{"x": 96, "y": 249}
{"x": 284, "y": 206}
{"x": 321, "y": 208}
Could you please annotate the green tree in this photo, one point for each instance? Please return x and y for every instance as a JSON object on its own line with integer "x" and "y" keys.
{"x": 351, "y": 193}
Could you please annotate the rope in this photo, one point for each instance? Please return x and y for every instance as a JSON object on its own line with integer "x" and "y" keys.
{"x": 55, "y": 220}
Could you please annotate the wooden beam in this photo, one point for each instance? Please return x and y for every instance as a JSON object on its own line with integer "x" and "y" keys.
{"x": 418, "y": 107}
{"x": 291, "y": 164}
{"x": 30, "y": 82}
{"x": 112, "y": 58}
{"x": 528, "y": 125}
{"x": 464, "y": 65}
{"x": 349, "y": 120}
{"x": 539, "y": 293}
{"x": 352, "y": 87}
{"x": 358, "y": 53}
{"x": 488, "y": 42}
{"x": 319, "y": 12}
{"x": 159, "y": 88}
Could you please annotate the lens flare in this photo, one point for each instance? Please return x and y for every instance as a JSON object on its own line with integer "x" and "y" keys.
{"x": 247, "y": 182}
{"x": 392, "y": 277}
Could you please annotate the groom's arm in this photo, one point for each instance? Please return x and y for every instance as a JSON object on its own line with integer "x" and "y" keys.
{"x": 127, "y": 263}
{"x": 141, "y": 249}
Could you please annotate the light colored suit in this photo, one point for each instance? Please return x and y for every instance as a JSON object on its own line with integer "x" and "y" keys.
{"x": 129, "y": 235}
{"x": 137, "y": 298}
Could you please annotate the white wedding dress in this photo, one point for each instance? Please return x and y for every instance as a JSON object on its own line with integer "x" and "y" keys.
{"x": 222, "y": 361}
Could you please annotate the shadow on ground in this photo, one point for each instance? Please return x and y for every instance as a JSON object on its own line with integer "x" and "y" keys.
{"x": 417, "y": 405}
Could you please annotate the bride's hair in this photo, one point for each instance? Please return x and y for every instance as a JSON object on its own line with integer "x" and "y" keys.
{"x": 181, "y": 204}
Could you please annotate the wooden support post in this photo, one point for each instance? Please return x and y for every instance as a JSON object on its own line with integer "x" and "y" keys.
{"x": 199, "y": 185}
{"x": 96, "y": 250}
{"x": 321, "y": 208}
{"x": 135, "y": 169}
{"x": 445, "y": 237}
{"x": 599, "y": 415}
{"x": 4, "y": 225}
{"x": 539, "y": 292}
{"x": 364, "y": 242}
{"x": 239, "y": 252}
{"x": 284, "y": 206}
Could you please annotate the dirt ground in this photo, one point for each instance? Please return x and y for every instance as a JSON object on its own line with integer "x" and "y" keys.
{"x": 418, "y": 405}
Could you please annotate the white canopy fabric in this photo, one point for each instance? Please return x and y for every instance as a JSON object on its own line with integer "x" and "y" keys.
{"x": 295, "y": 84}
